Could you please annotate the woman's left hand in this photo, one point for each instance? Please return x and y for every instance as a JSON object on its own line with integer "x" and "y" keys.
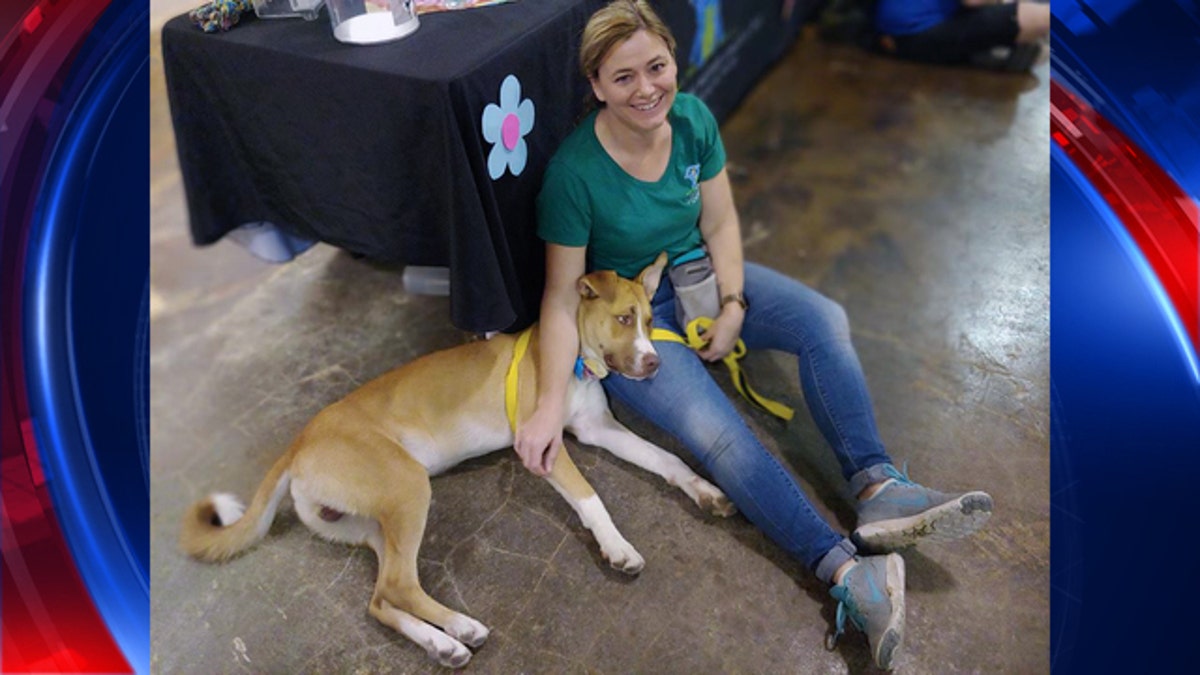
{"x": 723, "y": 334}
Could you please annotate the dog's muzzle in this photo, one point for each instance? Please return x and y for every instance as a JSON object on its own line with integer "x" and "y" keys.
{"x": 640, "y": 366}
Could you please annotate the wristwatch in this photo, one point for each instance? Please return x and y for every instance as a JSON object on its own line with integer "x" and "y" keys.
{"x": 738, "y": 297}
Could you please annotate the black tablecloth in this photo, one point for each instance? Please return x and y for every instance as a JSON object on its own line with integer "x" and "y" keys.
{"x": 378, "y": 149}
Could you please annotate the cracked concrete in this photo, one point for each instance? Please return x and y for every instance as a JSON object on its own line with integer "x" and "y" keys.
{"x": 917, "y": 197}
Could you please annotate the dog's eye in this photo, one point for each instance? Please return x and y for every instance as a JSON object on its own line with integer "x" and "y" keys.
{"x": 625, "y": 319}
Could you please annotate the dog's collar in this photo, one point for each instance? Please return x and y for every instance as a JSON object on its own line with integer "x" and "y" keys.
{"x": 588, "y": 369}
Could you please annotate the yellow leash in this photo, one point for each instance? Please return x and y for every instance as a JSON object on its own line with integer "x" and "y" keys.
{"x": 731, "y": 359}
{"x": 693, "y": 340}
{"x": 510, "y": 379}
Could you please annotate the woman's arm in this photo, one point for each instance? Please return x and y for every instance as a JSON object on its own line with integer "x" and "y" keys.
{"x": 540, "y": 436}
{"x": 722, "y": 233}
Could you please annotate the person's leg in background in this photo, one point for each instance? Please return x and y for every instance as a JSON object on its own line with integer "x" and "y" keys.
{"x": 1030, "y": 45}
{"x": 1033, "y": 21}
{"x": 1007, "y": 36}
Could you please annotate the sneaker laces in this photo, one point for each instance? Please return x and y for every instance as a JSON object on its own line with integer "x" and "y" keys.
{"x": 846, "y": 607}
{"x": 898, "y": 475}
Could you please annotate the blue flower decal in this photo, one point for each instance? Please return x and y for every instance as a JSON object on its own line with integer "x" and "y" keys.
{"x": 505, "y": 127}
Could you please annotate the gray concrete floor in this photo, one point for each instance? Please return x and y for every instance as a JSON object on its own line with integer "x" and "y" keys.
{"x": 918, "y": 197}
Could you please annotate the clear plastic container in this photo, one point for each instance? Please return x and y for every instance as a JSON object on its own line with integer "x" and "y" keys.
{"x": 367, "y": 22}
{"x": 280, "y": 9}
{"x": 420, "y": 280}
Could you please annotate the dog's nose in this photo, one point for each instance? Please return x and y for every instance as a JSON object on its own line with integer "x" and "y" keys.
{"x": 650, "y": 364}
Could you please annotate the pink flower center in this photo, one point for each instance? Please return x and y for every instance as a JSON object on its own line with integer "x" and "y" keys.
{"x": 510, "y": 131}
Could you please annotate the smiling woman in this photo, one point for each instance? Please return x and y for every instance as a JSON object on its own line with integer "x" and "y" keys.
{"x": 645, "y": 174}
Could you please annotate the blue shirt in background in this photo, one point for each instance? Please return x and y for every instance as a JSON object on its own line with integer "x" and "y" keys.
{"x": 907, "y": 17}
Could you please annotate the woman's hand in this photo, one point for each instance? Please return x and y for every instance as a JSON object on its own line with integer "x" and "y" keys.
{"x": 538, "y": 440}
{"x": 723, "y": 334}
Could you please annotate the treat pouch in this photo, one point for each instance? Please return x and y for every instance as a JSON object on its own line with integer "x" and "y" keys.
{"x": 696, "y": 292}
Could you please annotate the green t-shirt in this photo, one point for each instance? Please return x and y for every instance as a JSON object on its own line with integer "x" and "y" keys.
{"x": 589, "y": 200}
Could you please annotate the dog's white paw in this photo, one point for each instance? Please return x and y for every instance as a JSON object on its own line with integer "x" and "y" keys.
{"x": 710, "y": 498}
{"x": 447, "y": 651}
{"x": 624, "y": 557}
{"x": 467, "y": 630}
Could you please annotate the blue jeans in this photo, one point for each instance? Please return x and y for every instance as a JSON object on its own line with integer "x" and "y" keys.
{"x": 685, "y": 401}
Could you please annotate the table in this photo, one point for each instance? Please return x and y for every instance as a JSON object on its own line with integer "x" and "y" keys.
{"x": 380, "y": 150}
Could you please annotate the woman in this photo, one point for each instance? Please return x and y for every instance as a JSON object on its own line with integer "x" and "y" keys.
{"x": 643, "y": 173}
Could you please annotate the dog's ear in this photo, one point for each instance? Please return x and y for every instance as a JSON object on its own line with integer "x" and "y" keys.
{"x": 652, "y": 275}
{"x": 586, "y": 287}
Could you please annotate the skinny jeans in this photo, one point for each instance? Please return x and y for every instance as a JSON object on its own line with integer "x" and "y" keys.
{"x": 683, "y": 400}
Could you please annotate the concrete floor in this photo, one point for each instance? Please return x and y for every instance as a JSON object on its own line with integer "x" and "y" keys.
{"x": 917, "y": 197}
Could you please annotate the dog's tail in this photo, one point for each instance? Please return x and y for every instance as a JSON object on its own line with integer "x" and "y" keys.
{"x": 218, "y": 527}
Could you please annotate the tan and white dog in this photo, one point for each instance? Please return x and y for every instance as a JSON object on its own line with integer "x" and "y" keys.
{"x": 359, "y": 471}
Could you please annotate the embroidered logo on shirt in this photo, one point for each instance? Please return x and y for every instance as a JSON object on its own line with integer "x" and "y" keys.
{"x": 692, "y": 174}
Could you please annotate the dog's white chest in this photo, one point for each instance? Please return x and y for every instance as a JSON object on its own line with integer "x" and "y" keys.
{"x": 585, "y": 398}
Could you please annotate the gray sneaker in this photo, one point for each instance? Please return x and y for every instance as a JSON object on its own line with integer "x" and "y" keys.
{"x": 903, "y": 513}
{"x": 872, "y": 595}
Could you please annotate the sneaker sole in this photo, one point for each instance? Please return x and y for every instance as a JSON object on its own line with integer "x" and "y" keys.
{"x": 950, "y": 521}
{"x": 893, "y": 635}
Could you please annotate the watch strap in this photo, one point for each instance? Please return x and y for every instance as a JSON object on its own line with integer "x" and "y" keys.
{"x": 738, "y": 297}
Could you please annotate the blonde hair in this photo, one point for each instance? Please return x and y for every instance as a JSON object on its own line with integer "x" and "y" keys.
{"x": 613, "y": 24}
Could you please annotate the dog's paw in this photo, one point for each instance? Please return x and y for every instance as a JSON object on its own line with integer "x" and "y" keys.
{"x": 624, "y": 558}
{"x": 720, "y": 506}
{"x": 467, "y": 630}
{"x": 710, "y": 498}
{"x": 448, "y": 652}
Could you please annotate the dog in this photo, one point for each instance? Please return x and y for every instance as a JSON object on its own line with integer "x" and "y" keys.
{"x": 359, "y": 471}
